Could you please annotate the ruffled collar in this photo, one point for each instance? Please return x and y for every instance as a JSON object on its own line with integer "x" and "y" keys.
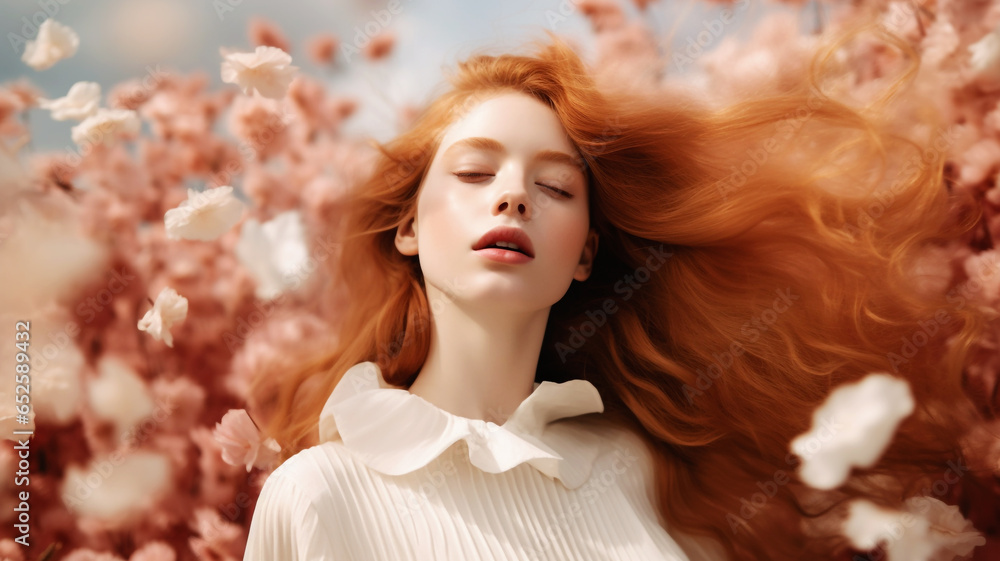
{"x": 396, "y": 432}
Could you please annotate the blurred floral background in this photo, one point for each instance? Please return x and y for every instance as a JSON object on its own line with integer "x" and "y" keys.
{"x": 171, "y": 178}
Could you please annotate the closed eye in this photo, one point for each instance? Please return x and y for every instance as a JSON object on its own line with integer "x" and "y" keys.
{"x": 555, "y": 190}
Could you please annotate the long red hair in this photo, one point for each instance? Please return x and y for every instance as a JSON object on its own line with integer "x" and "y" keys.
{"x": 788, "y": 226}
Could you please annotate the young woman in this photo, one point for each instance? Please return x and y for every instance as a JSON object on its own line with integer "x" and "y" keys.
{"x": 586, "y": 324}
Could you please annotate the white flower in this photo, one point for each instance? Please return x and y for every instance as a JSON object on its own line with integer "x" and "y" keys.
{"x": 204, "y": 215}
{"x": 54, "y": 42}
{"x": 852, "y": 428}
{"x": 928, "y": 530}
{"x": 275, "y": 253}
{"x": 105, "y": 126}
{"x": 268, "y": 70}
{"x": 954, "y": 535}
{"x": 868, "y": 524}
{"x": 984, "y": 61}
{"x": 118, "y": 395}
{"x": 81, "y": 102}
{"x": 900, "y": 18}
{"x": 112, "y": 488}
{"x": 52, "y": 258}
{"x": 53, "y": 379}
{"x": 169, "y": 308}
{"x": 940, "y": 42}
{"x": 55, "y": 386}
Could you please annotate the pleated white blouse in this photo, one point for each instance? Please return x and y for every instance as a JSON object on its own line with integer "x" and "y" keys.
{"x": 395, "y": 478}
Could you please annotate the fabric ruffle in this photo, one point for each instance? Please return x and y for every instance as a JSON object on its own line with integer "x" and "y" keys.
{"x": 395, "y": 432}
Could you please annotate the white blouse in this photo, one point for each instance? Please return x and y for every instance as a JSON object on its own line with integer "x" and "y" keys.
{"x": 397, "y": 478}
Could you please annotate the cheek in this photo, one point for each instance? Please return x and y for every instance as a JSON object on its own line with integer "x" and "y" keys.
{"x": 571, "y": 232}
{"x": 439, "y": 218}
{"x": 564, "y": 241}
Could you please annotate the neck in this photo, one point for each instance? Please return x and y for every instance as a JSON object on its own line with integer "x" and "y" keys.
{"x": 482, "y": 360}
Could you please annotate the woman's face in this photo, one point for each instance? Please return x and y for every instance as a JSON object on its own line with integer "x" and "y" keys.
{"x": 507, "y": 163}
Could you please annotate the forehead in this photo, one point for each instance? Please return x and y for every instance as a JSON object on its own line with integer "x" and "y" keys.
{"x": 518, "y": 121}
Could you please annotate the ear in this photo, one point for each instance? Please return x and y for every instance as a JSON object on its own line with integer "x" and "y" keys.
{"x": 406, "y": 236}
{"x": 587, "y": 257}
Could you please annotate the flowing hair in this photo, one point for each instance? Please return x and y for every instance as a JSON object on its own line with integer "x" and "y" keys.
{"x": 752, "y": 258}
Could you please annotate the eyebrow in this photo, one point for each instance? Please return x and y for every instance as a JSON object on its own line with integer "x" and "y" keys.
{"x": 492, "y": 145}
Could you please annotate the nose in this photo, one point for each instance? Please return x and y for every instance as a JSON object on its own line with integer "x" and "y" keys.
{"x": 513, "y": 203}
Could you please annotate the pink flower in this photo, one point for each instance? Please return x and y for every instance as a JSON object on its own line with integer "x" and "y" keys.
{"x": 11, "y": 550}
{"x": 266, "y": 34}
{"x": 978, "y": 161}
{"x": 628, "y": 55}
{"x": 219, "y": 481}
{"x": 219, "y": 539}
{"x": 931, "y": 271}
{"x": 176, "y": 114}
{"x": 154, "y": 551}
{"x": 90, "y": 555}
{"x": 182, "y": 399}
{"x": 268, "y": 190}
{"x": 210, "y": 526}
{"x": 315, "y": 111}
{"x": 983, "y": 270}
{"x": 25, "y": 91}
{"x": 323, "y": 48}
{"x": 10, "y": 106}
{"x": 270, "y": 350}
{"x": 54, "y": 171}
{"x": 603, "y": 14}
{"x": 380, "y": 46}
{"x": 130, "y": 95}
{"x": 261, "y": 123}
{"x": 241, "y": 441}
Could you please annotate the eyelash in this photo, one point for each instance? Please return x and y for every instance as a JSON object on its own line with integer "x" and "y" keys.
{"x": 555, "y": 190}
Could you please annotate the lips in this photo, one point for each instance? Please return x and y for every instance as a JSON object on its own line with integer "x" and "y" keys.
{"x": 509, "y": 235}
